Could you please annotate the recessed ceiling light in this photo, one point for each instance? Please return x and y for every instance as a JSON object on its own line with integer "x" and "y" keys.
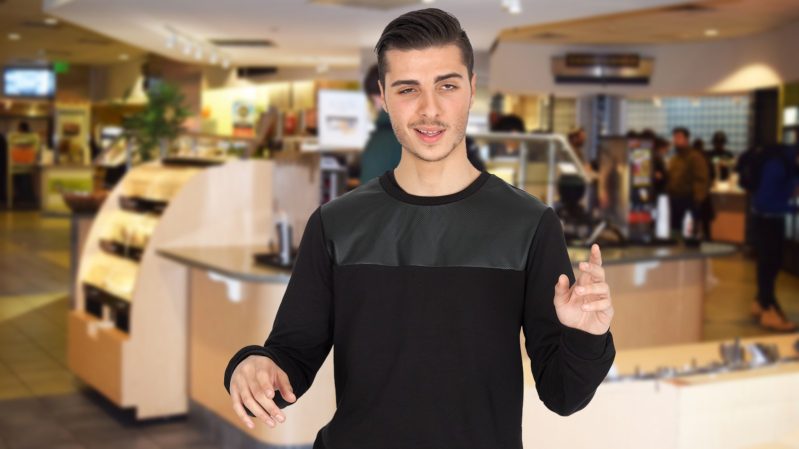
{"x": 428, "y": 1}
{"x": 710, "y": 32}
{"x": 51, "y": 21}
{"x": 124, "y": 56}
{"x": 14, "y": 36}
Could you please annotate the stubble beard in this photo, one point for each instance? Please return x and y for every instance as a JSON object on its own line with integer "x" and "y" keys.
{"x": 407, "y": 141}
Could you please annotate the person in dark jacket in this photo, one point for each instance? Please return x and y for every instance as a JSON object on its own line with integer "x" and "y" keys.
{"x": 705, "y": 209}
{"x": 383, "y": 150}
{"x": 776, "y": 181}
{"x": 659, "y": 170}
{"x": 720, "y": 155}
{"x": 687, "y": 180}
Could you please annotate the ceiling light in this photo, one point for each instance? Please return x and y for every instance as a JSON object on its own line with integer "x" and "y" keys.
{"x": 198, "y": 53}
{"x": 711, "y": 32}
{"x": 14, "y": 36}
{"x": 52, "y": 21}
{"x": 515, "y": 6}
{"x": 428, "y": 1}
{"x": 171, "y": 40}
{"x": 124, "y": 56}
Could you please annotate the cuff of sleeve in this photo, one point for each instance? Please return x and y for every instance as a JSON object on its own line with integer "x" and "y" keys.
{"x": 584, "y": 345}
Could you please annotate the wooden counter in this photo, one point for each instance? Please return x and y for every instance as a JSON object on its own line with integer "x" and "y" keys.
{"x": 658, "y": 294}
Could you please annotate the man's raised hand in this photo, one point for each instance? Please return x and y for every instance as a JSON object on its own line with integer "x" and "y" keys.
{"x": 586, "y": 305}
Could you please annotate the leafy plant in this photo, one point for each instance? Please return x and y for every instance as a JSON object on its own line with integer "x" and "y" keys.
{"x": 160, "y": 121}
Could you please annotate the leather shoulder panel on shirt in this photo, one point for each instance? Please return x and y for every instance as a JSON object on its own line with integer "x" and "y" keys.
{"x": 491, "y": 228}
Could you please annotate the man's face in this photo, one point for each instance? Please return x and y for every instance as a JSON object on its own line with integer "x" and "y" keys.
{"x": 679, "y": 139}
{"x": 428, "y": 95}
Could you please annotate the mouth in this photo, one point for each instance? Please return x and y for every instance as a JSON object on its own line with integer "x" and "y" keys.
{"x": 429, "y": 135}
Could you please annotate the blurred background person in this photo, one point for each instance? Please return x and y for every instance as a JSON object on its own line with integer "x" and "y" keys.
{"x": 510, "y": 123}
{"x": 776, "y": 180}
{"x": 382, "y": 151}
{"x": 687, "y": 180}
{"x": 705, "y": 211}
{"x": 720, "y": 156}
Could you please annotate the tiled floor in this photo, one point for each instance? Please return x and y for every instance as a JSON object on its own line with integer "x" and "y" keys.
{"x": 43, "y": 406}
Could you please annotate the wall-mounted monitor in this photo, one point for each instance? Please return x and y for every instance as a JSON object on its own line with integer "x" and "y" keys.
{"x": 29, "y": 82}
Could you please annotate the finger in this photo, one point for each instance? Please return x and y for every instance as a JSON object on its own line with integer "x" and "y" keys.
{"x": 599, "y": 288}
{"x": 269, "y": 406}
{"x": 268, "y": 403}
{"x": 284, "y": 386}
{"x": 238, "y": 408}
{"x": 597, "y": 306}
{"x": 596, "y": 255}
{"x": 249, "y": 401}
{"x": 596, "y": 272}
{"x": 562, "y": 290}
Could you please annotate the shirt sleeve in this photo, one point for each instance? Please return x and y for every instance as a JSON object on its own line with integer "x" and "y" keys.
{"x": 302, "y": 333}
{"x": 568, "y": 364}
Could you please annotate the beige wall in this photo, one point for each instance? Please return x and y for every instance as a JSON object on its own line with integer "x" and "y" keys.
{"x": 712, "y": 66}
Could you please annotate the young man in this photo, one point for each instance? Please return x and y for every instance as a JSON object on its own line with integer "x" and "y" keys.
{"x": 424, "y": 277}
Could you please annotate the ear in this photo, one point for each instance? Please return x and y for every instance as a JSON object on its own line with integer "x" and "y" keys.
{"x": 382, "y": 95}
{"x": 474, "y": 89}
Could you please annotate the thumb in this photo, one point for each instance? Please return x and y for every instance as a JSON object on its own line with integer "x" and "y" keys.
{"x": 285, "y": 387}
{"x": 562, "y": 290}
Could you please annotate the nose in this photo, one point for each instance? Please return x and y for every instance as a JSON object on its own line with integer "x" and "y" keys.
{"x": 428, "y": 105}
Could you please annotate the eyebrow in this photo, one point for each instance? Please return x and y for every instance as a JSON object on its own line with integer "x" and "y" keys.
{"x": 439, "y": 78}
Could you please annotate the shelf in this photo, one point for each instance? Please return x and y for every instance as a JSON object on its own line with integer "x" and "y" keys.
{"x": 97, "y": 297}
{"x": 118, "y": 249}
{"x": 142, "y": 205}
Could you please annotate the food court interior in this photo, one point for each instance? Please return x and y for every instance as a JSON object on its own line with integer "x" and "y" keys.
{"x": 158, "y": 159}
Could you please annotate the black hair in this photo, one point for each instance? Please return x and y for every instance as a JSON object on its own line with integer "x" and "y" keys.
{"x": 24, "y": 127}
{"x": 682, "y": 130}
{"x": 719, "y": 138}
{"x": 370, "y": 85}
{"x": 699, "y": 144}
{"x": 420, "y": 29}
{"x": 661, "y": 143}
{"x": 510, "y": 122}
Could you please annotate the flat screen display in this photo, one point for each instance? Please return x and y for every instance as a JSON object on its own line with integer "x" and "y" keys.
{"x": 28, "y": 82}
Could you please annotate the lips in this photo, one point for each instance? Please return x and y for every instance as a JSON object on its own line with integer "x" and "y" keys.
{"x": 429, "y": 135}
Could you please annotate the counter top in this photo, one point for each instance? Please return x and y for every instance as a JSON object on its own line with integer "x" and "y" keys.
{"x": 633, "y": 254}
{"x": 233, "y": 261}
{"x": 237, "y": 261}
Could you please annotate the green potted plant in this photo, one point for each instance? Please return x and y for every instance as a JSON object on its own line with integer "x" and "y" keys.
{"x": 160, "y": 122}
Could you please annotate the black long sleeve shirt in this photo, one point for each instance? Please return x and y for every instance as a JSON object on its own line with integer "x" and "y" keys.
{"x": 424, "y": 298}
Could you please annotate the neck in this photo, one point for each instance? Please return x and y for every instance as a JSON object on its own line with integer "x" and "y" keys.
{"x": 449, "y": 175}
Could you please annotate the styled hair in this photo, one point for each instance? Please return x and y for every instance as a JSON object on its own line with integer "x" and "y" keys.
{"x": 421, "y": 29}
{"x": 370, "y": 85}
{"x": 682, "y": 130}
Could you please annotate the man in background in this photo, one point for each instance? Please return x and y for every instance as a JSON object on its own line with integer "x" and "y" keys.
{"x": 382, "y": 151}
{"x": 687, "y": 179}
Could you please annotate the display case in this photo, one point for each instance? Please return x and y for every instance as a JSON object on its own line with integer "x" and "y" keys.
{"x": 127, "y": 328}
